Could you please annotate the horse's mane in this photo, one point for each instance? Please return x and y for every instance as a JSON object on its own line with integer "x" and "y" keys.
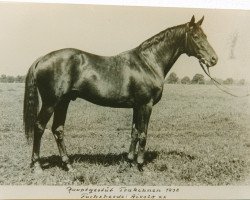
{"x": 165, "y": 35}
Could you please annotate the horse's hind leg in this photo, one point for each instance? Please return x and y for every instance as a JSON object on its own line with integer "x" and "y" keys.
{"x": 58, "y": 131}
{"x": 42, "y": 119}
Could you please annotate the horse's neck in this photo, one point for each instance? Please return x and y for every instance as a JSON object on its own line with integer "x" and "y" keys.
{"x": 162, "y": 55}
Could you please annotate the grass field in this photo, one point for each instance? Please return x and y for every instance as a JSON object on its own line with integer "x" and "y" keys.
{"x": 197, "y": 136}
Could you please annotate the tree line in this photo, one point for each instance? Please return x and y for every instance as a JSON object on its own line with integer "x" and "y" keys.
{"x": 200, "y": 79}
{"x": 12, "y": 79}
{"x": 171, "y": 79}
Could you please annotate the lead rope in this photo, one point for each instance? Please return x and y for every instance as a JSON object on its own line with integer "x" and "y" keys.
{"x": 218, "y": 84}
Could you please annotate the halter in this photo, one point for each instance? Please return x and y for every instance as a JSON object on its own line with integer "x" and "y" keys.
{"x": 186, "y": 45}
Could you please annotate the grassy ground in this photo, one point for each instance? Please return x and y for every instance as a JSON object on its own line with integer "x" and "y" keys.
{"x": 197, "y": 136}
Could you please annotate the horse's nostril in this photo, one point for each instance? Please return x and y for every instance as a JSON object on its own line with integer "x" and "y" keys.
{"x": 214, "y": 60}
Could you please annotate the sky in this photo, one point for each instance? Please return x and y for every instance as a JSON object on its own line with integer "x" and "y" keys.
{"x": 30, "y": 30}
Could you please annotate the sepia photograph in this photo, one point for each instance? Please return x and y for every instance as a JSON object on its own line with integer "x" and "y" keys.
{"x": 132, "y": 98}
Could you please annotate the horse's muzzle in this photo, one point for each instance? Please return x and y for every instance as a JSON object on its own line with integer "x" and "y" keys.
{"x": 213, "y": 61}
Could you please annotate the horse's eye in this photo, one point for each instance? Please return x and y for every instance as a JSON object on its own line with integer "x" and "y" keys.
{"x": 195, "y": 36}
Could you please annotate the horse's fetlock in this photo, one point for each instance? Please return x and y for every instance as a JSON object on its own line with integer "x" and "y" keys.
{"x": 65, "y": 159}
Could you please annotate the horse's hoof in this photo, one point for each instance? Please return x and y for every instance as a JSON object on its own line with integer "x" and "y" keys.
{"x": 140, "y": 167}
{"x": 140, "y": 160}
{"x": 131, "y": 157}
{"x": 37, "y": 169}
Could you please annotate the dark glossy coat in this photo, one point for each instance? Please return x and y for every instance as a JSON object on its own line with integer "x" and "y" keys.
{"x": 132, "y": 79}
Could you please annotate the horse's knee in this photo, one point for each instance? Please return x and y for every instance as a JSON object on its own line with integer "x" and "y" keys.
{"x": 58, "y": 132}
{"x": 142, "y": 139}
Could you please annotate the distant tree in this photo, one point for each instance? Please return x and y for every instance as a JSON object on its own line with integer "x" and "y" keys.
{"x": 242, "y": 82}
{"x": 185, "y": 80}
{"x": 228, "y": 81}
{"x": 3, "y": 78}
{"x": 172, "y": 78}
{"x": 198, "y": 79}
{"x": 10, "y": 79}
{"x": 19, "y": 79}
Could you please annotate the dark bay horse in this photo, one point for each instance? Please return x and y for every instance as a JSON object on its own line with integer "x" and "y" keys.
{"x": 132, "y": 79}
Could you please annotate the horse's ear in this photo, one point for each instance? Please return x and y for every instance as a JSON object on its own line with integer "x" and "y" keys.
{"x": 192, "y": 22}
{"x": 200, "y": 21}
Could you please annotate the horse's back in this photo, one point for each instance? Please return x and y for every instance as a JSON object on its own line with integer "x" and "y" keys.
{"x": 98, "y": 79}
{"x": 115, "y": 81}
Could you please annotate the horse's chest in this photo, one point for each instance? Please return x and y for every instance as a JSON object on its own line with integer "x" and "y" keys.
{"x": 148, "y": 90}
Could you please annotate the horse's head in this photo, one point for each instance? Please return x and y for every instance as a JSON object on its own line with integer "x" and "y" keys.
{"x": 196, "y": 44}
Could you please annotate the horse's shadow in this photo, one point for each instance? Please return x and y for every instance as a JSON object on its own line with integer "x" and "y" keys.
{"x": 102, "y": 159}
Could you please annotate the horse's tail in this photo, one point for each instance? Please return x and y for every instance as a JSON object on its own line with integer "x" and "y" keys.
{"x": 31, "y": 103}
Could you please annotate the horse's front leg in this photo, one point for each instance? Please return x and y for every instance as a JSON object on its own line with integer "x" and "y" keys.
{"x": 139, "y": 133}
{"x": 134, "y": 138}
